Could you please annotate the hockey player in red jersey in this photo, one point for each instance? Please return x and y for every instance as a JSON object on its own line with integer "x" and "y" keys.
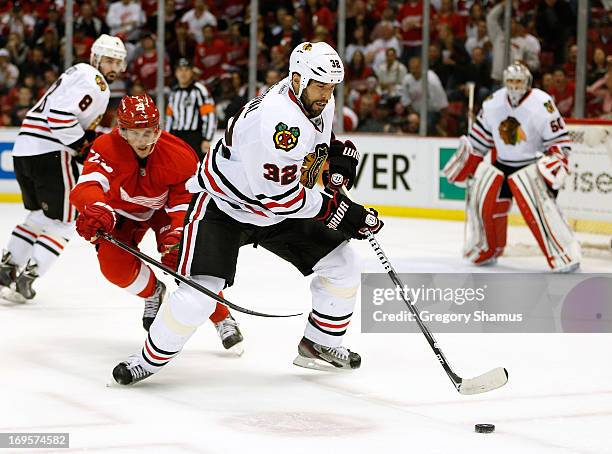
{"x": 134, "y": 180}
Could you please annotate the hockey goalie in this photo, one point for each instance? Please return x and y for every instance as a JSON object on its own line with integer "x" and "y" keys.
{"x": 529, "y": 164}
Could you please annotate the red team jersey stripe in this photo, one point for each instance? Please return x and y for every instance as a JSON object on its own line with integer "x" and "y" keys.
{"x": 190, "y": 234}
{"x": 51, "y": 240}
{"x": 57, "y": 120}
{"x": 295, "y": 200}
{"x": 42, "y": 128}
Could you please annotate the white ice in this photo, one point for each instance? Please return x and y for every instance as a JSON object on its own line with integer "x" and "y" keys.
{"x": 58, "y": 351}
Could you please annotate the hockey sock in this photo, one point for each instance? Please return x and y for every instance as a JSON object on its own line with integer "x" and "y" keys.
{"x": 21, "y": 243}
{"x": 184, "y": 310}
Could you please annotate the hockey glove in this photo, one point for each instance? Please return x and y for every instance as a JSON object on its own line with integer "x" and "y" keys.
{"x": 95, "y": 217}
{"x": 82, "y": 146}
{"x": 340, "y": 213}
{"x": 554, "y": 166}
{"x": 343, "y": 161}
{"x": 170, "y": 241}
{"x": 462, "y": 165}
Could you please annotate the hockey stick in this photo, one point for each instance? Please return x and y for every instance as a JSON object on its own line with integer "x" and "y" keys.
{"x": 186, "y": 280}
{"x": 468, "y": 182}
{"x": 495, "y": 378}
{"x": 488, "y": 381}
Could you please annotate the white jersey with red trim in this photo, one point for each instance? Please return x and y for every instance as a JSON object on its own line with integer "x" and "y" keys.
{"x": 253, "y": 173}
{"x": 75, "y": 102}
{"x": 519, "y": 134}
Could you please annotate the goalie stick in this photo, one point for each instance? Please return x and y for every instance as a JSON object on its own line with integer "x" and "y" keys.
{"x": 493, "y": 379}
{"x": 186, "y": 280}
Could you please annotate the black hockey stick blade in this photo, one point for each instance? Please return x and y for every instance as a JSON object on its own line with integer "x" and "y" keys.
{"x": 185, "y": 280}
{"x": 495, "y": 378}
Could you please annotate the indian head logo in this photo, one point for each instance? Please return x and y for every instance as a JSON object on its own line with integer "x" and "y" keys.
{"x": 286, "y": 138}
{"x": 511, "y": 132}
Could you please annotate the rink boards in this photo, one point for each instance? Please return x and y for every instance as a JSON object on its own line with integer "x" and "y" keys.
{"x": 401, "y": 176}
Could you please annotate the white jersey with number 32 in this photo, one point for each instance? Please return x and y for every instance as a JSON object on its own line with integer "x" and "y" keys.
{"x": 75, "y": 102}
{"x": 253, "y": 173}
{"x": 519, "y": 134}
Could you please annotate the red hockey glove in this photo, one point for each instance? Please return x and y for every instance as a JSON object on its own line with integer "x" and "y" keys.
{"x": 340, "y": 213}
{"x": 343, "y": 160}
{"x": 97, "y": 216}
{"x": 170, "y": 240}
{"x": 554, "y": 166}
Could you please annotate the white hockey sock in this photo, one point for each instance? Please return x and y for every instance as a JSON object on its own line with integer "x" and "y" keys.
{"x": 334, "y": 292}
{"x": 47, "y": 250}
{"x": 21, "y": 243}
{"x": 184, "y": 310}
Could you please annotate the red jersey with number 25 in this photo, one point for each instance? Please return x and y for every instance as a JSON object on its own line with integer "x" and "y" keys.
{"x": 135, "y": 187}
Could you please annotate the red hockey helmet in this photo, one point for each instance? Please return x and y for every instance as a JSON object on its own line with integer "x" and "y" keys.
{"x": 137, "y": 112}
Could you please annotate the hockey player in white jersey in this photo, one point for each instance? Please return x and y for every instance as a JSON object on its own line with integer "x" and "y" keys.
{"x": 55, "y": 133}
{"x": 531, "y": 147}
{"x": 251, "y": 189}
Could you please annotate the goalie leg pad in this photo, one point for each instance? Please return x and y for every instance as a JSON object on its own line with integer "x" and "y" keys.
{"x": 544, "y": 219}
{"x": 487, "y": 216}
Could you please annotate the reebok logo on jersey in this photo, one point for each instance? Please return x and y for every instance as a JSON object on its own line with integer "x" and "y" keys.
{"x": 286, "y": 138}
{"x": 511, "y": 132}
{"x": 338, "y": 216}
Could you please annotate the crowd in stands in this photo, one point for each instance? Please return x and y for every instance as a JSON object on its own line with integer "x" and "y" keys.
{"x": 382, "y": 59}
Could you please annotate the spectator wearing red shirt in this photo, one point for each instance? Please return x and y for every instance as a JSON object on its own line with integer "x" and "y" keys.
{"x": 410, "y": 16}
{"x": 144, "y": 67}
{"x": 357, "y": 71}
{"x": 320, "y": 15}
{"x": 237, "y": 47}
{"x": 210, "y": 55}
{"x": 447, "y": 15}
{"x": 562, "y": 92}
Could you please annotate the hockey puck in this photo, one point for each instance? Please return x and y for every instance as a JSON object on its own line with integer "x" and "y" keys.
{"x": 485, "y": 428}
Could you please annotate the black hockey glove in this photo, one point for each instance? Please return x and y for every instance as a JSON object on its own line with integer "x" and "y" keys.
{"x": 82, "y": 146}
{"x": 343, "y": 161}
{"x": 338, "y": 212}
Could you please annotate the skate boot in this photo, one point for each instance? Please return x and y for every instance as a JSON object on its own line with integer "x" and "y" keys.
{"x": 230, "y": 335}
{"x": 8, "y": 270}
{"x": 316, "y": 356}
{"x": 21, "y": 291}
{"x": 152, "y": 305}
{"x": 130, "y": 371}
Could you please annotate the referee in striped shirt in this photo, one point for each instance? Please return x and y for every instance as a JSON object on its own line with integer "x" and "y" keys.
{"x": 190, "y": 114}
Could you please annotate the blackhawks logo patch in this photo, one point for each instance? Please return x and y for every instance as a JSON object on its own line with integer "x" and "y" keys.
{"x": 549, "y": 106}
{"x": 286, "y": 138}
{"x": 511, "y": 132}
{"x": 101, "y": 83}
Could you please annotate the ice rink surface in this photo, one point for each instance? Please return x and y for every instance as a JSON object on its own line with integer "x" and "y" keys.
{"x": 59, "y": 350}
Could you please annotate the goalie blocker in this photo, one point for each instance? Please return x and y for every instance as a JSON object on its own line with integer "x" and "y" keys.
{"x": 489, "y": 199}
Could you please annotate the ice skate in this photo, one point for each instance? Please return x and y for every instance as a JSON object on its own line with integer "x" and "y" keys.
{"x": 152, "y": 305}
{"x": 8, "y": 270}
{"x": 230, "y": 335}
{"x": 130, "y": 371}
{"x": 316, "y": 356}
{"x": 21, "y": 290}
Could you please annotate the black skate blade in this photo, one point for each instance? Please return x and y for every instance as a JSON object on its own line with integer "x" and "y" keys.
{"x": 11, "y": 295}
{"x": 318, "y": 364}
